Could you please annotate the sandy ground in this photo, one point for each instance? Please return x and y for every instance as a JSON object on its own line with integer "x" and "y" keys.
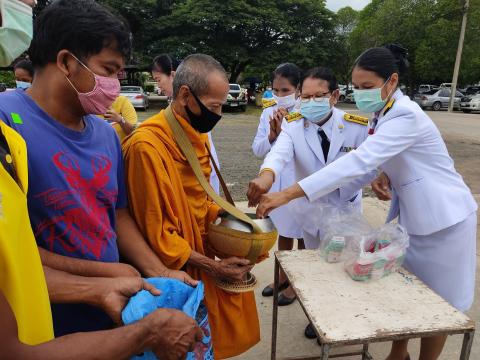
{"x": 233, "y": 137}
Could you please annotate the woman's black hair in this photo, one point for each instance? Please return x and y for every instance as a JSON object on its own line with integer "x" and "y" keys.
{"x": 25, "y": 65}
{"x": 321, "y": 73}
{"x": 165, "y": 63}
{"x": 289, "y": 71}
{"x": 84, "y": 27}
{"x": 384, "y": 61}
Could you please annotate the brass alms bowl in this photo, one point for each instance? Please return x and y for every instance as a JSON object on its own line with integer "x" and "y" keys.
{"x": 232, "y": 237}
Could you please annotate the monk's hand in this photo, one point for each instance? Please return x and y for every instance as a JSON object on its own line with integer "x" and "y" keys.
{"x": 259, "y": 186}
{"x": 180, "y": 275}
{"x": 114, "y": 293}
{"x": 172, "y": 333}
{"x": 381, "y": 187}
{"x": 232, "y": 269}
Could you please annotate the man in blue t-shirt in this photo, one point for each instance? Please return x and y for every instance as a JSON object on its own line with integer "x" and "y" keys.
{"x": 77, "y": 201}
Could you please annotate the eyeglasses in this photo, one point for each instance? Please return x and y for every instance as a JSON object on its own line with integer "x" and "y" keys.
{"x": 315, "y": 98}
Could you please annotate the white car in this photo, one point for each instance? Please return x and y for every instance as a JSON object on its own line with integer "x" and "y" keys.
{"x": 136, "y": 95}
{"x": 470, "y": 103}
{"x": 426, "y": 88}
{"x": 349, "y": 98}
{"x": 237, "y": 97}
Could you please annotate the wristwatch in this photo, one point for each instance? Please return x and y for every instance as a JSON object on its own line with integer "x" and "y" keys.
{"x": 123, "y": 120}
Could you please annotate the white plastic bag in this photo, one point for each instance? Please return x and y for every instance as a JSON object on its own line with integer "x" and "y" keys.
{"x": 340, "y": 227}
{"x": 377, "y": 254}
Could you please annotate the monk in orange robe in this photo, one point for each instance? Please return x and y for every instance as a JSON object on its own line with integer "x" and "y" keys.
{"x": 172, "y": 209}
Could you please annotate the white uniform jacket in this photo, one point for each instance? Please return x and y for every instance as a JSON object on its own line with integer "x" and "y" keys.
{"x": 282, "y": 217}
{"x": 429, "y": 194}
{"x": 299, "y": 141}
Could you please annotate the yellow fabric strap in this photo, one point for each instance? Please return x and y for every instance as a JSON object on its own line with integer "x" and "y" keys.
{"x": 186, "y": 146}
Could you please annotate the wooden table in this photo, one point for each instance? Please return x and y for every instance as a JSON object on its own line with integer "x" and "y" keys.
{"x": 345, "y": 312}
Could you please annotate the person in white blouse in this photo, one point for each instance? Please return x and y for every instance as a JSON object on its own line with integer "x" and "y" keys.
{"x": 428, "y": 195}
{"x": 285, "y": 80}
{"x": 163, "y": 72}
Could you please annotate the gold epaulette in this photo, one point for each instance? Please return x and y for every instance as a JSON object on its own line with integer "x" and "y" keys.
{"x": 356, "y": 119}
{"x": 268, "y": 103}
{"x": 388, "y": 106}
{"x": 293, "y": 116}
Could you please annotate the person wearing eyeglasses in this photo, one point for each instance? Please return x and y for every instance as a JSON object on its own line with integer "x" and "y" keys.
{"x": 312, "y": 138}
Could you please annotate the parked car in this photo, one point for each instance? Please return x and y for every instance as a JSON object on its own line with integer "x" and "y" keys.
{"x": 136, "y": 95}
{"x": 470, "y": 90}
{"x": 446, "y": 85}
{"x": 237, "y": 97}
{"x": 437, "y": 99}
{"x": 426, "y": 88}
{"x": 470, "y": 103}
{"x": 343, "y": 92}
{"x": 349, "y": 98}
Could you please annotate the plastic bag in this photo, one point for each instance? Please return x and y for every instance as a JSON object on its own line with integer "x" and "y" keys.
{"x": 341, "y": 227}
{"x": 377, "y": 254}
{"x": 329, "y": 227}
{"x": 175, "y": 295}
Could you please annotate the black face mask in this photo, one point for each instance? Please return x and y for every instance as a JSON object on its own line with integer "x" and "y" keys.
{"x": 207, "y": 119}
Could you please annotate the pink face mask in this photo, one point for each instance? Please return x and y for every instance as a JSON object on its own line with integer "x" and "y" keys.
{"x": 104, "y": 93}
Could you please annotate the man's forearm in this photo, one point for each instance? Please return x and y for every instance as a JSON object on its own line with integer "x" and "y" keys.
{"x": 127, "y": 127}
{"x": 83, "y": 267}
{"x": 121, "y": 343}
{"x": 67, "y": 288}
{"x": 202, "y": 262}
{"x": 134, "y": 247}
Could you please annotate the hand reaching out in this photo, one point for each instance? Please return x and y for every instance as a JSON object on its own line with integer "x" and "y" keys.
{"x": 381, "y": 187}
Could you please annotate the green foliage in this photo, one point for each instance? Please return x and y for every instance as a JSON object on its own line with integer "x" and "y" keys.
{"x": 239, "y": 33}
{"x": 251, "y": 37}
{"x": 150, "y": 88}
{"x": 429, "y": 29}
{"x": 8, "y": 78}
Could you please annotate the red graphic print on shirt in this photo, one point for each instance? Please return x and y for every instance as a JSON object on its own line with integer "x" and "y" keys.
{"x": 82, "y": 224}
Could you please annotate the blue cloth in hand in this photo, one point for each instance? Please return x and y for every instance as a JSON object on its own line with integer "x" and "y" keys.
{"x": 175, "y": 295}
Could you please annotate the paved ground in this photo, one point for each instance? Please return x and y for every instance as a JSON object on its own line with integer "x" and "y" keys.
{"x": 233, "y": 138}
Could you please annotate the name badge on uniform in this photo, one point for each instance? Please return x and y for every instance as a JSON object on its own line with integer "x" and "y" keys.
{"x": 347, "y": 149}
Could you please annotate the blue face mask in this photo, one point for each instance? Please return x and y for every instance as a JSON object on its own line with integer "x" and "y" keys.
{"x": 370, "y": 100}
{"x": 315, "y": 111}
{"x": 23, "y": 85}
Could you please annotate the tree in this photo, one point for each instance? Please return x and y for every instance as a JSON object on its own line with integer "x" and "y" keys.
{"x": 239, "y": 33}
{"x": 429, "y": 30}
{"x": 346, "y": 20}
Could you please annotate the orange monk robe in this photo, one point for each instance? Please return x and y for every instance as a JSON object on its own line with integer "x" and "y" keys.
{"x": 173, "y": 213}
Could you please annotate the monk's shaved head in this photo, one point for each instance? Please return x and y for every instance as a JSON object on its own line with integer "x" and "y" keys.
{"x": 195, "y": 71}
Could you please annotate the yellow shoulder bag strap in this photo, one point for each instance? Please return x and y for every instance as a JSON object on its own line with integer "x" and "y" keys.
{"x": 189, "y": 152}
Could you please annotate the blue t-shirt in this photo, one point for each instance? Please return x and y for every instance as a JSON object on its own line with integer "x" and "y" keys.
{"x": 76, "y": 183}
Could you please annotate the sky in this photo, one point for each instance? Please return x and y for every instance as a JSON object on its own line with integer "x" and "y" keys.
{"x": 334, "y": 5}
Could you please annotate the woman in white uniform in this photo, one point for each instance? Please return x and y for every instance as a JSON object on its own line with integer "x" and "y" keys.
{"x": 429, "y": 197}
{"x": 163, "y": 72}
{"x": 285, "y": 81}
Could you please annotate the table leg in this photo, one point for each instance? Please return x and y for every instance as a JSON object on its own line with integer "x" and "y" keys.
{"x": 467, "y": 345}
{"x": 365, "y": 355}
{"x": 325, "y": 352}
{"x": 275, "y": 310}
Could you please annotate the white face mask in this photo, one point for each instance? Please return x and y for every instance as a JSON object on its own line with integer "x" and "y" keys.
{"x": 16, "y": 30}
{"x": 286, "y": 102}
